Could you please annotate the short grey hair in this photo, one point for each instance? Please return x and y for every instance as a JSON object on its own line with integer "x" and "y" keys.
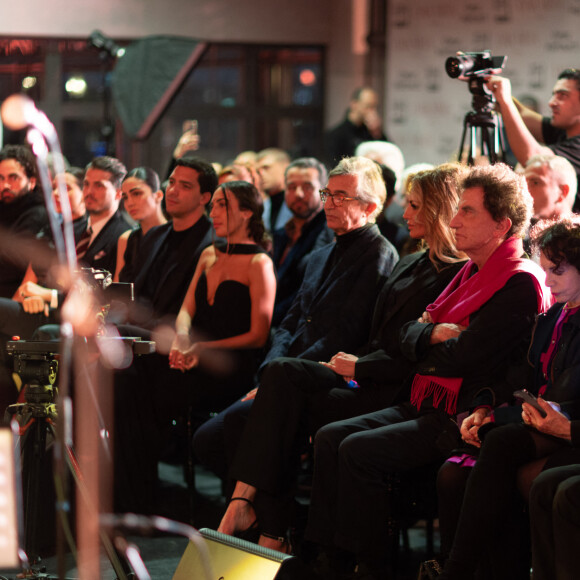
{"x": 370, "y": 184}
{"x": 384, "y": 152}
{"x": 562, "y": 170}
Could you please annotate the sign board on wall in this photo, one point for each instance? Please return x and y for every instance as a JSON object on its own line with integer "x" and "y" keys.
{"x": 425, "y": 108}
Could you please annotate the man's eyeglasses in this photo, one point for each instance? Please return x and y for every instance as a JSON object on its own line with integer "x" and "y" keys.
{"x": 337, "y": 198}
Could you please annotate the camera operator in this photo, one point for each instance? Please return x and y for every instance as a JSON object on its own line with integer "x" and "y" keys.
{"x": 531, "y": 134}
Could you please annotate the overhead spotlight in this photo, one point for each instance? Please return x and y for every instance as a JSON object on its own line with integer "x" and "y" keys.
{"x": 28, "y": 82}
{"x": 76, "y": 87}
{"x": 106, "y": 45}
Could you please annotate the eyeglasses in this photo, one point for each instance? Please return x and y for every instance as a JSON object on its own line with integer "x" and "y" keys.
{"x": 337, "y": 198}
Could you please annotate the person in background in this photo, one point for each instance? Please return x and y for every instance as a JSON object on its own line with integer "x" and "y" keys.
{"x": 22, "y": 214}
{"x": 303, "y": 233}
{"x": 361, "y": 123}
{"x": 271, "y": 164}
{"x": 142, "y": 197}
{"x": 553, "y": 184}
{"x": 514, "y": 452}
{"x": 531, "y": 134}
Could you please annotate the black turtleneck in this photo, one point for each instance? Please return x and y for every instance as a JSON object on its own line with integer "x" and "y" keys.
{"x": 344, "y": 242}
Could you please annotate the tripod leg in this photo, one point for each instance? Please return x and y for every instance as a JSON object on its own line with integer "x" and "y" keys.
{"x": 33, "y": 454}
{"x": 118, "y": 563}
{"x": 486, "y": 145}
{"x": 472, "y": 144}
{"x": 462, "y": 142}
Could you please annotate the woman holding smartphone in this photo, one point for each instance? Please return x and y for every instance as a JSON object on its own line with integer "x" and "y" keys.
{"x": 513, "y": 454}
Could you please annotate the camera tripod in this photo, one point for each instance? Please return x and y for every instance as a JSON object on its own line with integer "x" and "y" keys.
{"x": 36, "y": 418}
{"x": 485, "y": 121}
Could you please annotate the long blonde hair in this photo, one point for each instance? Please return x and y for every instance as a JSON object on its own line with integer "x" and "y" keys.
{"x": 439, "y": 189}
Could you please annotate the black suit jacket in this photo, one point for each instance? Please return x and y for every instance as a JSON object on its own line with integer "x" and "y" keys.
{"x": 102, "y": 253}
{"x": 413, "y": 284}
{"x": 291, "y": 272}
{"x": 333, "y": 309}
{"x": 24, "y": 217}
{"x": 498, "y": 334}
{"x": 170, "y": 290}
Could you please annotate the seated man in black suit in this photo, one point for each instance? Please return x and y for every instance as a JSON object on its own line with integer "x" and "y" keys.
{"x": 22, "y": 213}
{"x": 97, "y": 245}
{"x": 169, "y": 253}
{"x": 102, "y": 195}
{"x": 164, "y": 268}
{"x": 304, "y": 232}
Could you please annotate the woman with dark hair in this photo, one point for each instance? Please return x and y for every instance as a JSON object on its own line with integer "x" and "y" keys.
{"x": 225, "y": 318}
{"x": 221, "y": 328}
{"x": 142, "y": 197}
{"x": 512, "y": 454}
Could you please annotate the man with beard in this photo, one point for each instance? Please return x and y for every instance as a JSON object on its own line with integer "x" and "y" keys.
{"x": 305, "y": 231}
{"x": 22, "y": 213}
{"x": 531, "y": 134}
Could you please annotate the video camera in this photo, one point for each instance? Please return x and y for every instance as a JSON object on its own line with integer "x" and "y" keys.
{"x": 467, "y": 65}
{"x": 102, "y": 280}
{"x": 475, "y": 68}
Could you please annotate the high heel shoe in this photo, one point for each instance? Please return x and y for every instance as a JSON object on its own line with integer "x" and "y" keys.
{"x": 285, "y": 546}
{"x": 252, "y": 532}
{"x": 429, "y": 570}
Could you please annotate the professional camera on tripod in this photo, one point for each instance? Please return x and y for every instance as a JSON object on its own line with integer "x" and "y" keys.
{"x": 475, "y": 68}
{"x": 36, "y": 362}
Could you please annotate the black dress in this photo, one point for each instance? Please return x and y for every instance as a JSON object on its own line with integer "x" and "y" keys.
{"x": 228, "y": 373}
{"x": 127, "y": 273}
{"x": 151, "y": 394}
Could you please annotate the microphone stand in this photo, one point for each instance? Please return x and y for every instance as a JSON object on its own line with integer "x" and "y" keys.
{"x": 18, "y": 112}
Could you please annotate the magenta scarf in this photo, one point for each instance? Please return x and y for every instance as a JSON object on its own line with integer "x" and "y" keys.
{"x": 466, "y": 294}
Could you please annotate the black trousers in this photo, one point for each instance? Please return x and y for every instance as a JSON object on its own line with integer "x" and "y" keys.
{"x": 296, "y": 397}
{"x": 216, "y": 442}
{"x": 148, "y": 396}
{"x": 555, "y": 520}
{"x": 490, "y": 492}
{"x": 508, "y": 555}
{"x": 350, "y": 503}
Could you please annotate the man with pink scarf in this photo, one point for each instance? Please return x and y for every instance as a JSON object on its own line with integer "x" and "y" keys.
{"x": 466, "y": 339}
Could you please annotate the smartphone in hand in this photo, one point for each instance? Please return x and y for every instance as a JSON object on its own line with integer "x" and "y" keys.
{"x": 527, "y": 397}
{"x": 189, "y": 125}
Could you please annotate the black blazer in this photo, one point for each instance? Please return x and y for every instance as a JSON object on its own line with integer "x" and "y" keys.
{"x": 170, "y": 290}
{"x": 413, "y": 284}
{"x": 291, "y": 272}
{"x": 102, "y": 253}
{"x": 333, "y": 309}
{"x": 498, "y": 334}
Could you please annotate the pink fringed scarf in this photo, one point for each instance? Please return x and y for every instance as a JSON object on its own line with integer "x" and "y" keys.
{"x": 466, "y": 294}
